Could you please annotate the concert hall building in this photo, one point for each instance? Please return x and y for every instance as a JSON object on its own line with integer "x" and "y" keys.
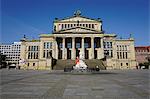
{"x": 73, "y": 35}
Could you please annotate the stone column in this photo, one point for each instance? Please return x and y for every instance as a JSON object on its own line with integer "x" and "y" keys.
{"x": 55, "y": 48}
{"x": 102, "y": 49}
{"x": 92, "y": 48}
{"x": 83, "y": 47}
{"x": 63, "y": 47}
{"x": 73, "y": 56}
{"x": 101, "y": 43}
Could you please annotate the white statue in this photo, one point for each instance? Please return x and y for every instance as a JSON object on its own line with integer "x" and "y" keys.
{"x": 79, "y": 62}
{"x": 81, "y": 56}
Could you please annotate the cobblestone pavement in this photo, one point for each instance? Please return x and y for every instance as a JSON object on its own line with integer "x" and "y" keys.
{"x": 112, "y": 84}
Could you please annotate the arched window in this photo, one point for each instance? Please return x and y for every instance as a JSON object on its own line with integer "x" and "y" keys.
{"x": 121, "y": 64}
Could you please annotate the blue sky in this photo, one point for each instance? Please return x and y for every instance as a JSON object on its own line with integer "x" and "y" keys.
{"x": 32, "y": 17}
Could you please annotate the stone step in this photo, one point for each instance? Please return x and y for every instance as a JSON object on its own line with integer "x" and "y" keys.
{"x": 61, "y": 64}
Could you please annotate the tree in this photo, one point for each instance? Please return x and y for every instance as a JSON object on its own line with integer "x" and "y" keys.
{"x": 146, "y": 64}
{"x": 2, "y": 60}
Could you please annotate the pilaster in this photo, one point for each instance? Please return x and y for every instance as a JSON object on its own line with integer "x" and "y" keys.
{"x": 83, "y": 51}
{"x": 63, "y": 51}
{"x": 73, "y": 56}
{"x": 91, "y": 56}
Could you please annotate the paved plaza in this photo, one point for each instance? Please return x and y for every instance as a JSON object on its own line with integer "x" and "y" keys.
{"x": 112, "y": 84}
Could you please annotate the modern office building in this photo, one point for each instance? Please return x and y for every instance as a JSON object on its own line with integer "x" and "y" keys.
{"x": 12, "y": 52}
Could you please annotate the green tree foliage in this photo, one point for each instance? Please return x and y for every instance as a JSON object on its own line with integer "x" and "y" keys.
{"x": 2, "y": 59}
{"x": 146, "y": 64}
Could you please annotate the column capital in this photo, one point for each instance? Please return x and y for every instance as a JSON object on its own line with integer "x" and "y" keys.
{"x": 54, "y": 37}
{"x": 92, "y": 37}
{"x": 82, "y": 37}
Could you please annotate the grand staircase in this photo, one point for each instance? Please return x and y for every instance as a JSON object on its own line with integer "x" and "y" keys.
{"x": 61, "y": 64}
{"x": 92, "y": 63}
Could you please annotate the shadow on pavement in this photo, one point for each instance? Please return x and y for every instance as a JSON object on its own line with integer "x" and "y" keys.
{"x": 82, "y": 73}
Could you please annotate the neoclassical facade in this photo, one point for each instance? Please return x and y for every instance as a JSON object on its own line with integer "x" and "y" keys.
{"x": 73, "y": 35}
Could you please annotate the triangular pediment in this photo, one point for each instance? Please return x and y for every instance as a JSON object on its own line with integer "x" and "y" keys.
{"x": 78, "y": 18}
{"x": 78, "y": 29}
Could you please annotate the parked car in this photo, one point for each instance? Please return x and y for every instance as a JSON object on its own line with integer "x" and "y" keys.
{"x": 12, "y": 66}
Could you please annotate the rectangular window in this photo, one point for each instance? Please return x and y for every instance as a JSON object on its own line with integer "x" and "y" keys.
{"x": 104, "y": 43}
{"x": 47, "y": 53}
{"x": 60, "y": 45}
{"x": 123, "y": 47}
{"x": 44, "y": 45}
{"x": 111, "y": 53}
{"x": 110, "y": 44}
{"x": 29, "y": 48}
{"x": 50, "y": 45}
{"x": 68, "y": 45}
{"x": 32, "y": 48}
{"x": 108, "y": 53}
{"x": 86, "y": 25}
{"x": 107, "y": 44}
{"x": 34, "y": 55}
{"x": 62, "y": 26}
{"x": 78, "y": 45}
{"x": 93, "y": 26}
{"x": 120, "y": 55}
{"x": 126, "y": 55}
{"x": 121, "y": 64}
{"x": 44, "y": 54}
{"x": 86, "y": 45}
{"x": 29, "y": 55}
{"x": 47, "y": 45}
{"x": 65, "y": 26}
{"x": 33, "y": 64}
{"x": 120, "y": 48}
{"x": 37, "y": 55}
{"x": 123, "y": 55}
{"x": 89, "y": 25}
{"x": 37, "y": 48}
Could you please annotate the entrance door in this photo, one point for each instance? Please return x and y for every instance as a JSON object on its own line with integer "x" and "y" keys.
{"x": 77, "y": 52}
{"x": 68, "y": 53}
{"x": 86, "y": 54}
{"x": 95, "y": 54}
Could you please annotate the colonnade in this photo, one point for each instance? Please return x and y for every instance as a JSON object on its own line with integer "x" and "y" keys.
{"x": 92, "y": 49}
